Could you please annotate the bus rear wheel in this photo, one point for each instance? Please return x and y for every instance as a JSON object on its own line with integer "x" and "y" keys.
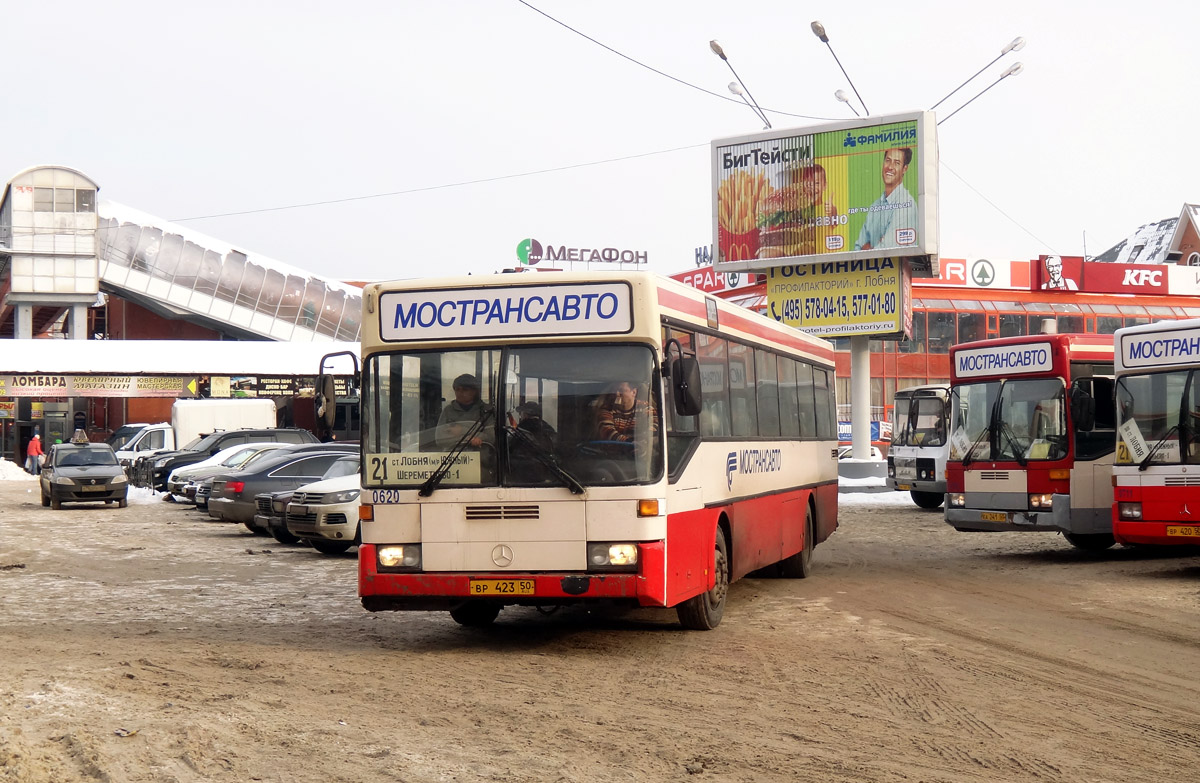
{"x": 476, "y": 614}
{"x": 703, "y": 612}
{"x": 1090, "y": 542}
{"x": 799, "y": 565}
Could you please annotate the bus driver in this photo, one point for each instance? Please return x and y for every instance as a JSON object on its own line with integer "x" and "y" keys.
{"x": 616, "y": 419}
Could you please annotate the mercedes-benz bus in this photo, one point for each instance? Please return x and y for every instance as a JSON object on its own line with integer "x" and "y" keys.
{"x": 681, "y": 443}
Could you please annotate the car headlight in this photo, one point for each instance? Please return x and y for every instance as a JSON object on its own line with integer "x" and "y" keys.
{"x": 66, "y": 482}
{"x": 612, "y": 556}
{"x": 958, "y": 499}
{"x": 347, "y": 496}
{"x": 399, "y": 556}
{"x": 120, "y": 479}
{"x": 1043, "y": 500}
{"x": 1129, "y": 510}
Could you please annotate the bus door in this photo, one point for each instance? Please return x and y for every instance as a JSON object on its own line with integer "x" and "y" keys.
{"x": 1094, "y": 431}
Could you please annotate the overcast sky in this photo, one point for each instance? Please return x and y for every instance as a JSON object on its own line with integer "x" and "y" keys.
{"x": 197, "y": 109}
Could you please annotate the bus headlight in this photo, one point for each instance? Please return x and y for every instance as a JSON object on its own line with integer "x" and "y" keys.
{"x": 1129, "y": 510}
{"x": 394, "y": 556}
{"x": 958, "y": 499}
{"x": 1041, "y": 501}
{"x": 891, "y": 468}
{"x": 612, "y": 556}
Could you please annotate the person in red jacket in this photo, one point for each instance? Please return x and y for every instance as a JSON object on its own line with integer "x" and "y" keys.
{"x": 33, "y": 453}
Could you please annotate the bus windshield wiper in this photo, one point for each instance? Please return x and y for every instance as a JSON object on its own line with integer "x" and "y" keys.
{"x": 443, "y": 468}
{"x": 1007, "y": 431}
{"x": 545, "y": 458}
{"x": 968, "y": 458}
{"x": 1145, "y": 463}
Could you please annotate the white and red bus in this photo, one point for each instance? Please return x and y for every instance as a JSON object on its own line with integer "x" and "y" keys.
{"x": 730, "y": 466}
{"x": 916, "y": 460}
{"x": 1032, "y": 436}
{"x": 1156, "y": 478}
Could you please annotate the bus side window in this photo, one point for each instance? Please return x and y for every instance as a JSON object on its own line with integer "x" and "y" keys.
{"x": 714, "y": 374}
{"x": 808, "y": 403}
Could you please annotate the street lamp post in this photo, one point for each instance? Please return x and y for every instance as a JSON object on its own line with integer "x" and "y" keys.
{"x": 844, "y": 98}
{"x": 1015, "y": 45}
{"x": 819, "y": 31}
{"x": 742, "y": 90}
{"x": 1013, "y": 70}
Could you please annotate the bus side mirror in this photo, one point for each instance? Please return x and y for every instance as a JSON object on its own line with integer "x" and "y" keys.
{"x": 326, "y": 399}
{"x": 1083, "y": 410}
{"x": 685, "y": 385}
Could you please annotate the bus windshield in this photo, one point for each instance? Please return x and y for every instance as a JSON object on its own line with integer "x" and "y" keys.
{"x": 920, "y": 421}
{"x": 528, "y": 416}
{"x": 1159, "y": 414}
{"x": 1019, "y": 420}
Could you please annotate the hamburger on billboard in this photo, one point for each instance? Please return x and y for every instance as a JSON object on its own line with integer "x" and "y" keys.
{"x": 860, "y": 189}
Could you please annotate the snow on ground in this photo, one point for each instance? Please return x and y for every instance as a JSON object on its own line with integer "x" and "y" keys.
{"x": 885, "y": 498}
{"x": 11, "y": 471}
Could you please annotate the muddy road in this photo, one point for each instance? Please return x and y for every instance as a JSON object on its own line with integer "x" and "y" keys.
{"x": 149, "y": 644}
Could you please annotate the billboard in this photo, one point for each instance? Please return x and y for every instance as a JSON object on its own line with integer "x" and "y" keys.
{"x": 842, "y": 299}
{"x": 859, "y": 189}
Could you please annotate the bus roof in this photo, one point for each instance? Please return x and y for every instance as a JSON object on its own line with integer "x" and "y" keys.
{"x": 925, "y": 389}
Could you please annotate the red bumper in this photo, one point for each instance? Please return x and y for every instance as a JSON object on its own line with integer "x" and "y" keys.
{"x": 443, "y": 590}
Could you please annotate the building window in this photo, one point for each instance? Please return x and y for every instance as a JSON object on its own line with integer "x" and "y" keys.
{"x": 64, "y": 200}
{"x": 43, "y": 199}
{"x": 85, "y": 200}
{"x": 941, "y": 332}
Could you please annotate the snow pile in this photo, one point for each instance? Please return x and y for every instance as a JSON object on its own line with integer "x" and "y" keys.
{"x": 875, "y": 499}
{"x": 11, "y": 471}
{"x": 143, "y": 496}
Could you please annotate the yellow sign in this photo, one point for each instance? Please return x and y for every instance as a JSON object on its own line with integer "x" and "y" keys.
{"x": 843, "y": 298}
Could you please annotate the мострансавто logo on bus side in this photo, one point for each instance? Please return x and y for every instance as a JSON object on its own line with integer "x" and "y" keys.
{"x": 1004, "y": 360}
{"x": 750, "y": 461}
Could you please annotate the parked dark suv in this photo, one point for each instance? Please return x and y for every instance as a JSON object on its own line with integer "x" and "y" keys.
{"x": 154, "y": 470}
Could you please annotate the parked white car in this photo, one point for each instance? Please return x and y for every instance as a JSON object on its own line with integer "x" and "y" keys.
{"x": 183, "y": 481}
{"x": 325, "y": 513}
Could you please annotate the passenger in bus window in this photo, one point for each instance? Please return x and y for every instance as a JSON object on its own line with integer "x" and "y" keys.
{"x": 463, "y": 411}
{"x": 618, "y": 414}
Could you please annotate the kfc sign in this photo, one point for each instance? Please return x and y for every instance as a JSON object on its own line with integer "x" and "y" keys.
{"x": 1126, "y": 278}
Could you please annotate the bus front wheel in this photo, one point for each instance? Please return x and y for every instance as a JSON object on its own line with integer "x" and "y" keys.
{"x": 476, "y": 614}
{"x": 1090, "y": 542}
{"x": 703, "y": 612}
{"x": 929, "y": 500}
